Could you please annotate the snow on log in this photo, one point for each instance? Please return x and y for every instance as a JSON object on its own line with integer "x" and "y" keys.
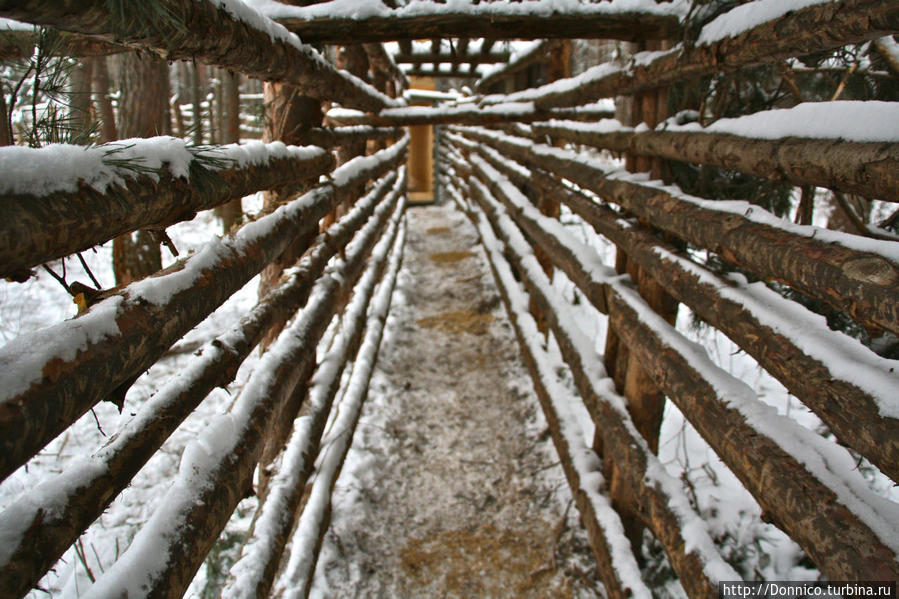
{"x": 223, "y": 33}
{"x": 857, "y": 275}
{"x": 847, "y": 146}
{"x": 662, "y": 503}
{"x": 817, "y": 27}
{"x": 253, "y": 574}
{"x": 54, "y": 376}
{"x": 852, "y": 389}
{"x": 466, "y": 114}
{"x": 316, "y": 512}
{"x": 329, "y": 137}
{"x": 62, "y": 199}
{"x": 39, "y": 526}
{"x": 217, "y": 468}
{"x": 808, "y": 486}
{"x": 352, "y": 21}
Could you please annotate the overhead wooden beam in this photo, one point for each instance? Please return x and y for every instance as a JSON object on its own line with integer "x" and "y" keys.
{"x": 468, "y": 114}
{"x": 600, "y": 20}
{"x": 203, "y": 30}
{"x": 815, "y": 28}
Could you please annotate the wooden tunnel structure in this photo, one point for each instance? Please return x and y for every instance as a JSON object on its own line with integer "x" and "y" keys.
{"x": 511, "y": 160}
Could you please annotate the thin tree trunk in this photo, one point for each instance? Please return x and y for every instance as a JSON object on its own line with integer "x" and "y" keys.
{"x": 5, "y": 134}
{"x": 81, "y": 107}
{"x": 231, "y": 212}
{"x": 143, "y": 112}
{"x": 196, "y": 97}
{"x": 108, "y": 130}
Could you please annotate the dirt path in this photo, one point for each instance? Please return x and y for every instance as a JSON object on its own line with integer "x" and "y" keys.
{"x": 452, "y": 487}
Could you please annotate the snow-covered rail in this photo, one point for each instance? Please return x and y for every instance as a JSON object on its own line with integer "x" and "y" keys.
{"x": 809, "y": 502}
{"x": 53, "y": 377}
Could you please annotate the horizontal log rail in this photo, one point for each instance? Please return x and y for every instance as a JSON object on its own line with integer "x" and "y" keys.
{"x": 466, "y": 114}
{"x": 815, "y": 28}
{"x": 316, "y": 508}
{"x": 833, "y": 516}
{"x": 38, "y": 228}
{"x": 46, "y": 386}
{"x": 330, "y": 137}
{"x": 210, "y": 485}
{"x": 419, "y": 58}
{"x": 661, "y": 502}
{"x": 319, "y": 24}
{"x": 870, "y": 169}
{"x": 203, "y": 30}
{"x": 861, "y": 281}
{"x": 852, "y": 393}
{"x": 47, "y": 531}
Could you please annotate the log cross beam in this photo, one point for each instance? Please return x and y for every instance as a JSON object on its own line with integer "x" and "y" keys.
{"x": 818, "y": 27}
{"x": 245, "y": 42}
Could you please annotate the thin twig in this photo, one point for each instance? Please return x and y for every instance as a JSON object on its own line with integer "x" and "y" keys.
{"x": 88, "y": 271}
{"x": 79, "y": 551}
{"x": 60, "y": 279}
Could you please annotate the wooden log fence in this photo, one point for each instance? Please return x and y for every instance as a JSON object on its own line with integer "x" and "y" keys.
{"x": 723, "y": 410}
{"x": 46, "y": 388}
{"x": 814, "y": 28}
{"x": 88, "y": 490}
{"x": 859, "y": 279}
{"x": 755, "y": 318}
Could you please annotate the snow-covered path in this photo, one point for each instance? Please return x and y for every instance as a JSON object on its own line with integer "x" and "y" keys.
{"x": 452, "y": 488}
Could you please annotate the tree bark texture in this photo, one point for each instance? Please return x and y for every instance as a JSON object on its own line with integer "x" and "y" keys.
{"x": 861, "y": 283}
{"x": 797, "y": 501}
{"x": 621, "y": 441}
{"x": 815, "y": 28}
{"x": 51, "y": 531}
{"x": 34, "y": 230}
{"x": 870, "y": 169}
{"x": 851, "y": 412}
{"x": 5, "y": 134}
{"x": 202, "y": 31}
{"x": 66, "y": 387}
{"x": 625, "y": 26}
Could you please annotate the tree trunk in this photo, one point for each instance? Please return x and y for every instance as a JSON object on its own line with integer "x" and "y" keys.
{"x": 197, "y": 85}
{"x": 81, "y": 107}
{"x": 5, "y": 134}
{"x": 231, "y": 212}
{"x": 288, "y": 114}
{"x": 108, "y": 130}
